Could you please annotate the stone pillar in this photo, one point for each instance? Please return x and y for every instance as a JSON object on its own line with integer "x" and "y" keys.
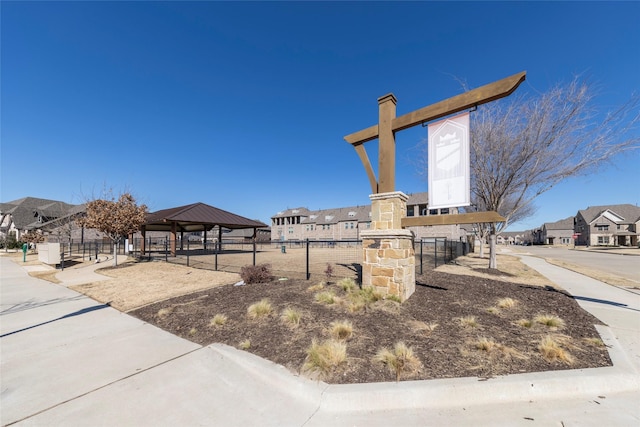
{"x": 388, "y": 262}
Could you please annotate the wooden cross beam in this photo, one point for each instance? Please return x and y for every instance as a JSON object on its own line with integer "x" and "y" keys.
{"x": 389, "y": 124}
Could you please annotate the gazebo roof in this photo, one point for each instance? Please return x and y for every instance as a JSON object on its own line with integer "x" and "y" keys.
{"x": 196, "y": 217}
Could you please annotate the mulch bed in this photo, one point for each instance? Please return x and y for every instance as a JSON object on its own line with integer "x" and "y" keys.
{"x": 440, "y": 298}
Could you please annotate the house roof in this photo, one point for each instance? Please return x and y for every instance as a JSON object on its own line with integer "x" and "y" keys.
{"x": 336, "y": 215}
{"x": 196, "y": 217}
{"x": 25, "y": 211}
{"x": 628, "y": 212}
{"x": 563, "y": 224}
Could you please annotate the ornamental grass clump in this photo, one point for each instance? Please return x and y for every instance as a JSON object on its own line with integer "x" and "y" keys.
{"x": 326, "y": 297}
{"x": 549, "y": 320}
{"x": 399, "y": 361}
{"x": 291, "y": 317}
{"x": 552, "y": 351}
{"x": 218, "y": 320}
{"x": 468, "y": 322}
{"x": 507, "y": 303}
{"x": 325, "y": 357}
{"x": 347, "y": 284}
{"x": 259, "y": 310}
{"x": 341, "y": 330}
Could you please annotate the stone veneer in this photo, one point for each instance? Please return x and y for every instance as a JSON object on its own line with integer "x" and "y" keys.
{"x": 388, "y": 261}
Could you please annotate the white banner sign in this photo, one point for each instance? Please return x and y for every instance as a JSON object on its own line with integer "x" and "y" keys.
{"x": 448, "y": 174}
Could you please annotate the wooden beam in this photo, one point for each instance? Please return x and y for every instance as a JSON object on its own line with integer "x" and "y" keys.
{"x": 452, "y": 219}
{"x": 478, "y": 96}
{"x": 362, "y": 153}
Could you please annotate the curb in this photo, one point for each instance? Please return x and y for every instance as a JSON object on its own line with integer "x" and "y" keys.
{"x": 442, "y": 393}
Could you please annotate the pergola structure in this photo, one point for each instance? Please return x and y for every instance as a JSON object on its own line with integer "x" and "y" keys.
{"x": 194, "y": 217}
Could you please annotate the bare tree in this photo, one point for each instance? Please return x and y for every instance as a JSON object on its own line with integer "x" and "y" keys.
{"x": 523, "y": 147}
{"x": 116, "y": 218}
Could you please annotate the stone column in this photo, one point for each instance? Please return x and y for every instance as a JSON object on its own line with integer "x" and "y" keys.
{"x": 388, "y": 263}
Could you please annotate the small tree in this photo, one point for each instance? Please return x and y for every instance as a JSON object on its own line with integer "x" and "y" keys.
{"x": 115, "y": 218}
{"x": 33, "y": 237}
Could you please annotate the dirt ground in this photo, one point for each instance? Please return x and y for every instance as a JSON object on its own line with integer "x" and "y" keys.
{"x": 435, "y": 323}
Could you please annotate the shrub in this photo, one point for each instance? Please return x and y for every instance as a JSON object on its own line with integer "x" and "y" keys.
{"x": 291, "y": 317}
{"x": 328, "y": 271}
{"x": 260, "y": 309}
{"x": 493, "y": 310}
{"x": 399, "y": 361}
{"x": 325, "y": 357}
{"x": 164, "y": 312}
{"x": 485, "y": 344}
{"x": 341, "y": 330}
{"x": 256, "y": 273}
{"x": 245, "y": 345}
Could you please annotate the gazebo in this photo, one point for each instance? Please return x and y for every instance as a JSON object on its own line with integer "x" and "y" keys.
{"x": 194, "y": 217}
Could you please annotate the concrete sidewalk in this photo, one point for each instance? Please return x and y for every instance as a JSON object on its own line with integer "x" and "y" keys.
{"x": 68, "y": 360}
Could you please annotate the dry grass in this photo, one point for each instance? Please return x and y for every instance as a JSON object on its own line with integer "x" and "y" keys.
{"x": 341, "y": 330}
{"x": 291, "y": 317}
{"x": 164, "y": 312}
{"x": 218, "y": 320}
{"x": 552, "y": 351}
{"x": 142, "y": 283}
{"x": 525, "y": 323}
{"x": 316, "y": 288}
{"x": 493, "y": 310}
{"x": 599, "y": 275}
{"x": 347, "y": 284}
{"x": 506, "y": 303}
{"x": 468, "y": 322}
{"x": 595, "y": 342}
{"x": 549, "y": 320}
{"x": 492, "y": 347}
{"x": 244, "y": 345}
{"x": 400, "y": 361}
{"x": 423, "y": 327}
{"x": 260, "y": 309}
{"x": 324, "y": 357}
{"x": 325, "y": 297}
{"x": 512, "y": 269}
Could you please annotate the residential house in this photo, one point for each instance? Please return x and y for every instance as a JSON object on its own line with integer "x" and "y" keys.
{"x": 29, "y": 213}
{"x": 347, "y": 222}
{"x": 559, "y": 233}
{"x": 612, "y": 225}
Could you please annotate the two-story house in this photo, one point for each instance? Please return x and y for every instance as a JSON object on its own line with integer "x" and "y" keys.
{"x": 614, "y": 225}
{"x": 557, "y": 233}
{"x": 347, "y": 222}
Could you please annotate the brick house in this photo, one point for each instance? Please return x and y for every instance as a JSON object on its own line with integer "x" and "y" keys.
{"x": 346, "y": 223}
{"x": 613, "y": 225}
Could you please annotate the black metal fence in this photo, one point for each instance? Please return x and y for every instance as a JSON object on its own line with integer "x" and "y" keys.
{"x": 293, "y": 258}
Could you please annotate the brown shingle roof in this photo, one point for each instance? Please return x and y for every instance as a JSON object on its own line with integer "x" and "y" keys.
{"x": 195, "y": 216}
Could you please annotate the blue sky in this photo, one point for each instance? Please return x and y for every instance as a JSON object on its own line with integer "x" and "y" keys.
{"x": 244, "y": 105}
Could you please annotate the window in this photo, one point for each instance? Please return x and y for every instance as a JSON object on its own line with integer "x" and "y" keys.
{"x": 351, "y": 225}
{"x": 346, "y": 225}
{"x": 603, "y": 240}
{"x": 409, "y": 210}
{"x": 290, "y": 230}
{"x": 602, "y": 227}
{"x": 433, "y": 211}
{"x": 444, "y": 211}
{"x": 368, "y": 225}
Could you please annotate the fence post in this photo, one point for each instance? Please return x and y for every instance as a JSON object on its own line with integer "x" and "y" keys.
{"x": 62, "y": 261}
{"x": 166, "y": 251}
{"x": 308, "y": 273}
{"x": 421, "y": 257}
{"x": 216, "y": 246}
{"x": 187, "y": 250}
{"x": 254, "y": 251}
{"x": 435, "y": 252}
